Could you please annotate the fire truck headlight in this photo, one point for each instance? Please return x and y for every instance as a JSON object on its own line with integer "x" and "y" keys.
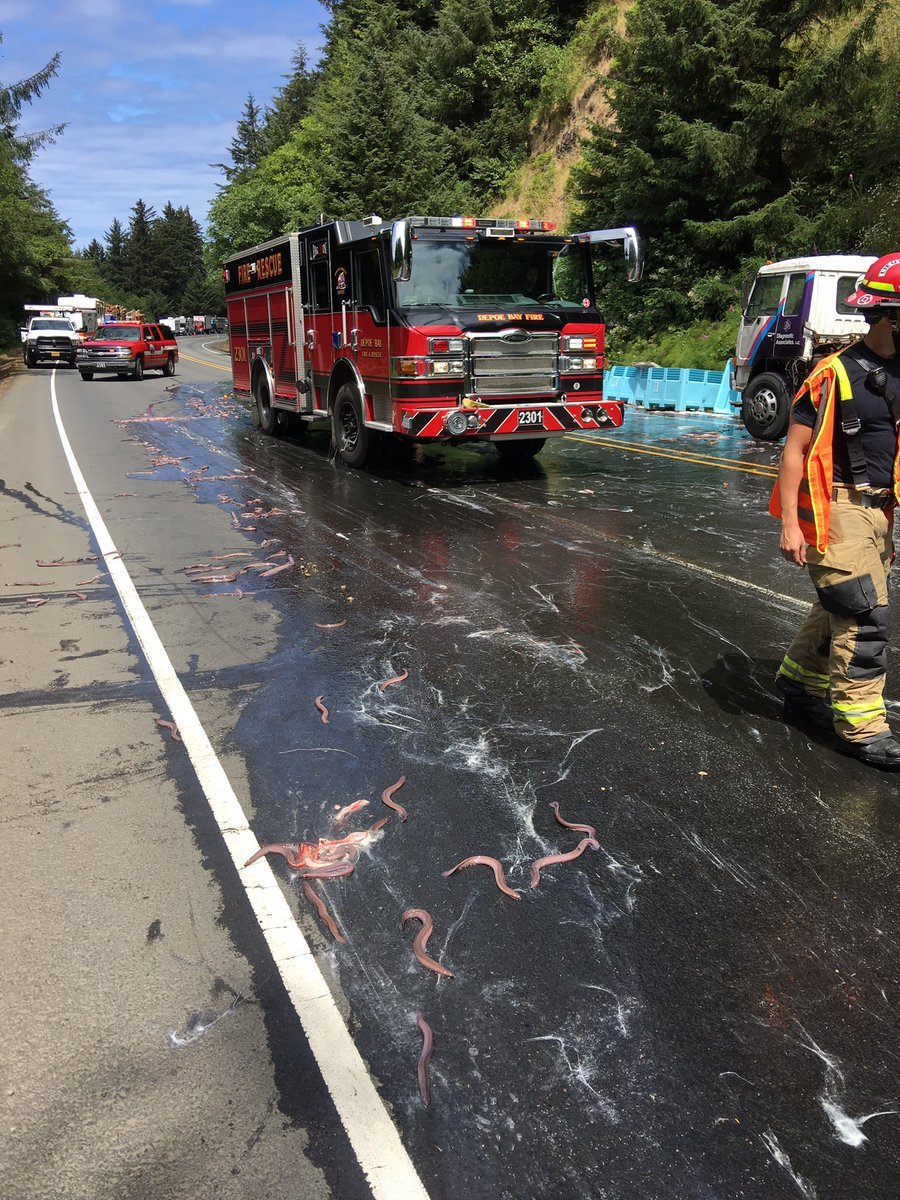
{"x": 472, "y": 421}
{"x": 456, "y": 422}
{"x": 446, "y": 366}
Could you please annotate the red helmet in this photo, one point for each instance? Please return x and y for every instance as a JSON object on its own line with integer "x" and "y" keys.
{"x": 879, "y": 286}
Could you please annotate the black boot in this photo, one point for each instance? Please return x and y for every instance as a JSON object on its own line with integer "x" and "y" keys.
{"x": 800, "y": 708}
{"x": 882, "y": 750}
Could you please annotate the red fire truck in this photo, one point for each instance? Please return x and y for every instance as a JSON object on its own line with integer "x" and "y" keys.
{"x": 431, "y": 328}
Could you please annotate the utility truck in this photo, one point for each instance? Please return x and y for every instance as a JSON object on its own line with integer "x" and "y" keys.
{"x": 794, "y": 314}
{"x": 433, "y": 329}
{"x": 85, "y": 312}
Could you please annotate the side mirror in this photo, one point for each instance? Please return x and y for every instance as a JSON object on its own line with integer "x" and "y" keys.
{"x": 401, "y": 251}
{"x": 746, "y": 289}
{"x": 634, "y": 250}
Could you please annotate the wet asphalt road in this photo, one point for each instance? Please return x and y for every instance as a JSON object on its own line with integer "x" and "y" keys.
{"x": 703, "y": 1008}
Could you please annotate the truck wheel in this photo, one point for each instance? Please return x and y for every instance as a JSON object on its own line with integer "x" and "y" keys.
{"x": 30, "y": 361}
{"x": 349, "y": 435}
{"x": 519, "y": 452}
{"x": 766, "y": 407}
{"x": 137, "y": 371}
{"x": 87, "y": 376}
{"x": 169, "y": 368}
{"x": 266, "y": 415}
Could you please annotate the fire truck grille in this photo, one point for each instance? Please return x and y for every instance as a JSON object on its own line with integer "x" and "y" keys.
{"x": 521, "y": 368}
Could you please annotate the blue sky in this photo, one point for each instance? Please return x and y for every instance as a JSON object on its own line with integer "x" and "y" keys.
{"x": 151, "y": 94}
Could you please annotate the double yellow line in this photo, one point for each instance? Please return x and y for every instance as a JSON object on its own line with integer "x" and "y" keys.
{"x": 202, "y": 362}
{"x": 703, "y": 460}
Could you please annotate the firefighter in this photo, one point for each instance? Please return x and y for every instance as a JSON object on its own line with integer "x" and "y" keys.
{"x": 838, "y": 483}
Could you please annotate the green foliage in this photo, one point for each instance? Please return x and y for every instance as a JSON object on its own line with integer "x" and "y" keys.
{"x": 248, "y": 144}
{"x": 291, "y": 103}
{"x": 590, "y": 44}
{"x": 34, "y": 242}
{"x": 414, "y": 107}
{"x": 706, "y": 345}
{"x": 717, "y": 152}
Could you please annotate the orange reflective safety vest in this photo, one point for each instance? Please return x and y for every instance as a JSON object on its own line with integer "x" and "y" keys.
{"x": 827, "y": 385}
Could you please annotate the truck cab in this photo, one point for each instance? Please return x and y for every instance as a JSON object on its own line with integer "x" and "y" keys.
{"x": 50, "y": 340}
{"x": 794, "y": 314}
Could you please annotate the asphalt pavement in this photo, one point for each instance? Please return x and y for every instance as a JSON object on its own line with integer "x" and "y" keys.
{"x": 701, "y": 1005}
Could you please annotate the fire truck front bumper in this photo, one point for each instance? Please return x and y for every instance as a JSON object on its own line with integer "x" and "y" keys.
{"x": 500, "y": 422}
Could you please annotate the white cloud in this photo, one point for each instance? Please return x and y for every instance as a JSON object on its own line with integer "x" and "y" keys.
{"x": 149, "y": 102}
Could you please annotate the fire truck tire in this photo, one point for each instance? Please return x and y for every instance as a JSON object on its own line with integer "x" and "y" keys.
{"x": 169, "y": 368}
{"x": 87, "y": 376}
{"x": 137, "y": 371}
{"x": 766, "y": 407}
{"x": 266, "y": 416}
{"x": 525, "y": 450}
{"x": 351, "y": 439}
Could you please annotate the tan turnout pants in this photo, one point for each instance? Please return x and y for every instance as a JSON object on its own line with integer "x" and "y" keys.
{"x": 840, "y": 652}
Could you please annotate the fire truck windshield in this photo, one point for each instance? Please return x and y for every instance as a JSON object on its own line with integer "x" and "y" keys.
{"x": 491, "y": 272}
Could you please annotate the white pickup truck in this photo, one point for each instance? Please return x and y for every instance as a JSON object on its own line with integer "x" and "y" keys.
{"x": 50, "y": 340}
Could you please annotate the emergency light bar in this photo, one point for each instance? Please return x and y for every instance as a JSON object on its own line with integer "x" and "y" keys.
{"x": 503, "y": 224}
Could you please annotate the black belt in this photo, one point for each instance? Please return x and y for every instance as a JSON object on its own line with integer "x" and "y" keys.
{"x": 864, "y": 499}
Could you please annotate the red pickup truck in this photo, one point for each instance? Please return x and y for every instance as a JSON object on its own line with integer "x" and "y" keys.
{"x": 128, "y": 349}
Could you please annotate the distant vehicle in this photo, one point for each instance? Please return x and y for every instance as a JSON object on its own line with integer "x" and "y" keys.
{"x": 794, "y": 315}
{"x": 50, "y": 339}
{"x": 176, "y": 324}
{"x": 85, "y": 312}
{"x": 128, "y": 349}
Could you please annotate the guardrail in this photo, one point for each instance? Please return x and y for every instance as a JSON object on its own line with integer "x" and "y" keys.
{"x": 675, "y": 388}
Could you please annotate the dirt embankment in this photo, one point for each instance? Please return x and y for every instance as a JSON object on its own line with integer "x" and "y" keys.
{"x": 10, "y": 364}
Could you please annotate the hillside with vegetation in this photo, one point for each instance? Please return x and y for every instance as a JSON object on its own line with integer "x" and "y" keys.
{"x": 727, "y": 131}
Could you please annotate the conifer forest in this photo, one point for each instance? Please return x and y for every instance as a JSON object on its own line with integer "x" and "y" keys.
{"x": 728, "y": 131}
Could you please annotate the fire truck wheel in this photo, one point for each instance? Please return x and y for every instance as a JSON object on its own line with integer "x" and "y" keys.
{"x": 351, "y": 438}
{"x": 266, "y": 415}
{"x": 521, "y": 451}
{"x": 87, "y": 376}
{"x": 169, "y": 368}
{"x": 137, "y": 371}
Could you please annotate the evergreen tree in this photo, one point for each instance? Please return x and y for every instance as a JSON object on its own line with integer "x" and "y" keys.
{"x": 140, "y": 257}
{"x": 178, "y": 247}
{"x": 94, "y": 251}
{"x": 114, "y": 269}
{"x": 34, "y": 242}
{"x": 13, "y": 97}
{"x": 291, "y": 102}
{"x": 714, "y": 151}
{"x": 248, "y": 146}
{"x": 379, "y": 153}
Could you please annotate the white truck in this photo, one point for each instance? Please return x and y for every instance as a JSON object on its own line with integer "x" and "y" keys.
{"x": 50, "y": 340}
{"x": 85, "y": 312}
{"x": 793, "y": 316}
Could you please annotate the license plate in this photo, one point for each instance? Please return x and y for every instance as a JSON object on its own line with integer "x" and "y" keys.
{"x": 54, "y": 354}
{"x": 531, "y": 418}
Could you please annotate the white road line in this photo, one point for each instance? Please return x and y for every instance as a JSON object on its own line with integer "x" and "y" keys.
{"x": 373, "y": 1135}
{"x": 686, "y": 565}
